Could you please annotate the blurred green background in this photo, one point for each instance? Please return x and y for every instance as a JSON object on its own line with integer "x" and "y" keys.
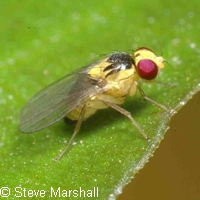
{"x": 43, "y": 41}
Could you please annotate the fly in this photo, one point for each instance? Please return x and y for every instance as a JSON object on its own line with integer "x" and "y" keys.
{"x": 100, "y": 85}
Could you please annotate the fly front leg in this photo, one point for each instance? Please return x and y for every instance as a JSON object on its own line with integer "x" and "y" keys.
{"x": 76, "y": 130}
{"x": 151, "y": 100}
{"x": 127, "y": 114}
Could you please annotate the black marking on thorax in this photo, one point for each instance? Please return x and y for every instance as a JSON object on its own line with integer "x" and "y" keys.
{"x": 119, "y": 61}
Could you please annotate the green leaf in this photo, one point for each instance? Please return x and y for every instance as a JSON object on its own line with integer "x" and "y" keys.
{"x": 43, "y": 41}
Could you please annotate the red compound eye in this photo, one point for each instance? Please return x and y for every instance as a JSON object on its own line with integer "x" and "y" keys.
{"x": 147, "y": 69}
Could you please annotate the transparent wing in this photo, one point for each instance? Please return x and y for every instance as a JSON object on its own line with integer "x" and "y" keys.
{"x": 57, "y": 100}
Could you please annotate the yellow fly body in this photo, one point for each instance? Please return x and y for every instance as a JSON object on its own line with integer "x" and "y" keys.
{"x": 100, "y": 85}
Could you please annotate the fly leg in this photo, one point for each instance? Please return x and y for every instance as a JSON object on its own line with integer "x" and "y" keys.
{"x": 76, "y": 130}
{"x": 151, "y": 100}
{"x": 127, "y": 114}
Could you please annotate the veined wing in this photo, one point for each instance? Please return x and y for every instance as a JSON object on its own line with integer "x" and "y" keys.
{"x": 57, "y": 100}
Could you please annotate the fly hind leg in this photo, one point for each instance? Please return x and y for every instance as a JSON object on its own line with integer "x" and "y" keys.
{"x": 76, "y": 130}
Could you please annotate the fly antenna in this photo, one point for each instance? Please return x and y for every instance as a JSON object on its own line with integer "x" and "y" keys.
{"x": 165, "y": 61}
{"x": 162, "y": 52}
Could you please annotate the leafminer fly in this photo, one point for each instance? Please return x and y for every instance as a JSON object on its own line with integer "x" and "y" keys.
{"x": 102, "y": 84}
